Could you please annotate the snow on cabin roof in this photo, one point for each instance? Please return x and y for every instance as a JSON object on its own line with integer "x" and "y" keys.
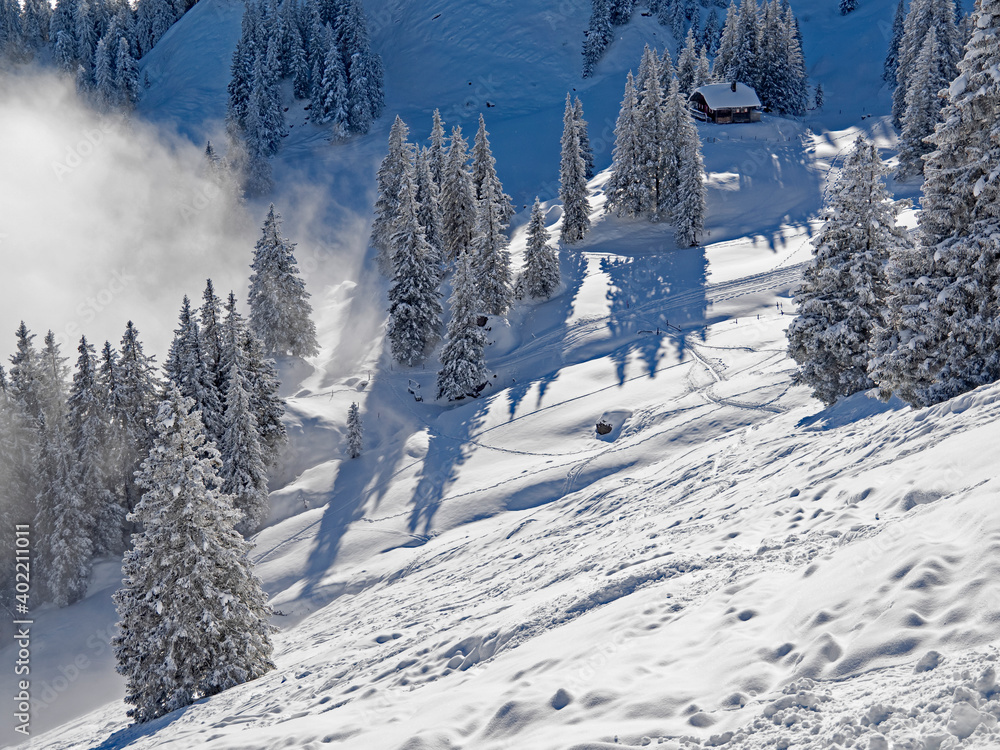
{"x": 722, "y": 96}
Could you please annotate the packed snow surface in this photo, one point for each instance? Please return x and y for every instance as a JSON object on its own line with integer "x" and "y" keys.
{"x": 729, "y": 566}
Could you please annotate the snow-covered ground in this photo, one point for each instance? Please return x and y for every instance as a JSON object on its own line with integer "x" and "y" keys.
{"x": 732, "y": 565}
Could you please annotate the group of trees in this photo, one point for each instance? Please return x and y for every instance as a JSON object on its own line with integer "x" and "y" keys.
{"x": 177, "y": 464}
{"x": 681, "y": 16}
{"x": 97, "y": 41}
{"x": 323, "y": 46}
{"x": 657, "y": 169}
{"x": 923, "y": 59}
{"x": 917, "y": 319}
{"x": 436, "y": 212}
{"x": 759, "y": 45}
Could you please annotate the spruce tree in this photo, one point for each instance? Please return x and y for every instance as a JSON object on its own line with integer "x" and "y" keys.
{"x": 280, "y": 313}
{"x": 573, "y": 188}
{"x": 841, "y": 299}
{"x": 438, "y": 153}
{"x": 133, "y": 406}
{"x": 711, "y": 33}
{"x": 193, "y": 618}
{"x": 243, "y": 473}
{"x": 484, "y": 173}
{"x": 414, "y": 307}
{"x": 540, "y": 276}
{"x": 687, "y": 64}
{"x": 355, "y": 433}
{"x": 689, "y": 207}
{"x": 922, "y": 108}
{"x": 188, "y": 370}
{"x": 586, "y": 150}
{"x": 463, "y": 367}
{"x": 703, "y": 70}
{"x": 126, "y": 75}
{"x": 626, "y": 190}
{"x": 210, "y": 317}
{"x": 599, "y": 35}
{"x": 428, "y": 199}
{"x": 892, "y": 56}
{"x": 88, "y": 424}
{"x": 667, "y": 152}
{"x": 491, "y": 256}
{"x": 922, "y": 16}
{"x": 458, "y": 200}
{"x": 387, "y": 204}
{"x": 726, "y": 50}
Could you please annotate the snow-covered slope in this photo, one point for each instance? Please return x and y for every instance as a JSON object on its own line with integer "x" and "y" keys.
{"x": 730, "y": 566}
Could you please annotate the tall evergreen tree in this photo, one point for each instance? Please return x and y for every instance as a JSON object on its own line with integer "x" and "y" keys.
{"x": 540, "y": 276}
{"x": 711, "y": 33}
{"x": 626, "y": 190}
{"x": 689, "y": 205}
{"x": 922, "y": 108}
{"x": 922, "y": 16}
{"x": 491, "y": 256}
{"x": 457, "y": 199}
{"x": 438, "y": 153}
{"x": 428, "y": 199}
{"x": 687, "y": 63}
{"x": 193, "y": 618}
{"x": 586, "y": 150}
{"x": 280, "y": 313}
{"x": 414, "y": 306}
{"x": 210, "y": 317}
{"x": 387, "y": 205}
{"x": 842, "y": 295}
{"x": 126, "y": 75}
{"x": 599, "y": 35}
{"x": 892, "y": 56}
{"x": 573, "y": 188}
{"x": 463, "y": 367}
{"x": 355, "y": 433}
{"x": 484, "y": 173}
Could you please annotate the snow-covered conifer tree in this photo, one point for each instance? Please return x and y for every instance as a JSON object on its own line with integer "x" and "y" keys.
{"x": 484, "y": 172}
{"x": 892, "y": 56}
{"x": 458, "y": 200}
{"x": 691, "y": 196}
{"x": 387, "y": 203}
{"x": 193, "y": 618}
{"x": 463, "y": 367}
{"x": 711, "y": 33}
{"x": 599, "y": 35}
{"x": 210, "y": 317}
{"x": 491, "y": 256}
{"x": 188, "y": 369}
{"x": 586, "y": 150}
{"x": 429, "y": 206}
{"x": 573, "y": 190}
{"x": 703, "y": 70}
{"x": 841, "y": 300}
{"x": 922, "y": 108}
{"x": 126, "y": 75}
{"x": 922, "y": 16}
{"x": 280, "y": 313}
{"x": 414, "y": 306}
{"x": 626, "y": 190}
{"x": 540, "y": 276}
{"x": 438, "y": 153}
{"x": 687, "y": 63}
{"x": 355, "y": 432}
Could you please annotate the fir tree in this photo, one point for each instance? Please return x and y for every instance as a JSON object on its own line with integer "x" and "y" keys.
{"x": 438, "y": 153}
{"x": 892, "y": 56}
{"x": 689, "y": 207}
{"x": 210, "y": 317}
{"x": 842, "y": 295}
{"x": 428, "y": 199}
{"x": 280, "y": 313}
{"x": 243, "y": 474}
{"x": 484, "y": 173}
{"x": 126, "y": 75}
{"x": 491, "y": 256}
{"x": 457, "y": 199}
{"x": 463, "y": 367}
{"x": 414, "y": 308}
{"x": 626, "y": 191}
{"x": 687, "y": 64}
{"x": 711, "y": 33}
{"x": 188, "y": 370}
{"x": 540, "y": 277}
{"x": 922, "y": 108}
{"x": 573, "y": 188}
{"x": 703, "y": 70}
{"x": 389, "y": 182}
{"x": 88, "y": 426}
{"x": 726, "y": 49}
{"x": 193, "y": 618}
{"x": 354, "y": 431}
{"x": 586, "y": 150}
{"x": 922, "y": 16}
{"x": 599, "y": 35}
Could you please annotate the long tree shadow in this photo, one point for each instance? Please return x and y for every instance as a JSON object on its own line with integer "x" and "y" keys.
{"x": 546, "y": 319}
{"x": 446, "y": 452}
{"x": 653, "y": 296}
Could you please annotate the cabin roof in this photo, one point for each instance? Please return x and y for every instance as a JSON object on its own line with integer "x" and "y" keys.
{"x": 721, "y": 95}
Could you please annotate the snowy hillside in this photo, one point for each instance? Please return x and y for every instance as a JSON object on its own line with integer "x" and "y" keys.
{"x": 731, "y": 566}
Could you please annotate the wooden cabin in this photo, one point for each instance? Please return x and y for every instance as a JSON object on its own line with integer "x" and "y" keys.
{"x": 725, "y": 103}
